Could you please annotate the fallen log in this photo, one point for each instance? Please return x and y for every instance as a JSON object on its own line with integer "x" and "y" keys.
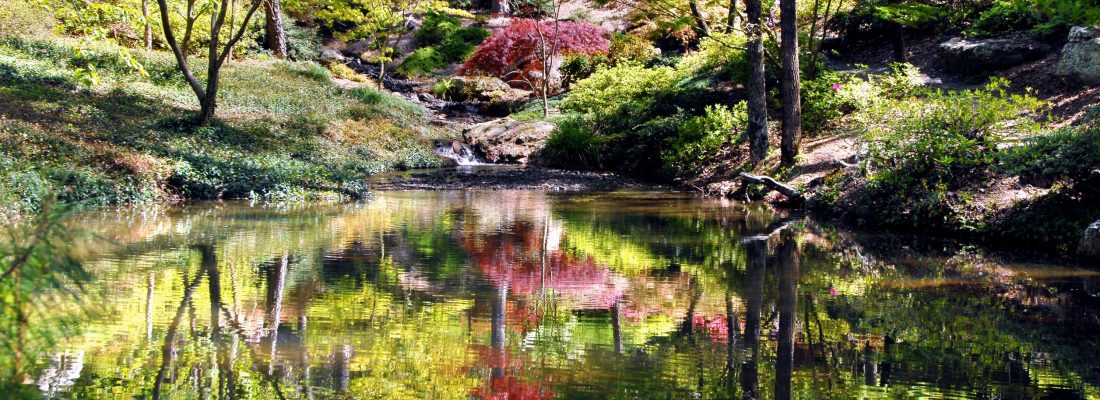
{"x": 791, "y": 193}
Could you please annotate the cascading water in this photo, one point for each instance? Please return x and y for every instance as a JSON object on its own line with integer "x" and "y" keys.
{"x": 462, "y": 153}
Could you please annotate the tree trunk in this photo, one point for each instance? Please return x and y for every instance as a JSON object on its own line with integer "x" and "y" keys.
{"x": 733, "y": 20}
{"x": 148, "y": 26}
{"x": 897, "y": 36}
{"x": 757, "y": 106}
{"x": 790, "y": 86}
{"x": 700, "y": 21}
{"x": 275, "y": 34}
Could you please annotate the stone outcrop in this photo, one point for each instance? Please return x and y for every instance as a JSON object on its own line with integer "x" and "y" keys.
{"x": 507, "y": 140}
{"x": 495, "y": 96}
{"x": 1080, "y": 60}
{"x": 972, "y": 56}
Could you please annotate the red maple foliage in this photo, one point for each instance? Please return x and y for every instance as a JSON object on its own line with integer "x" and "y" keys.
{"x": 517, "y": 47}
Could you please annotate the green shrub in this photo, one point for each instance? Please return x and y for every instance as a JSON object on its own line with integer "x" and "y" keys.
{"x": 1069, "y": 154}
{"x": 625, "y": 50}
{"x": 575, "y": 144}
{"x": 444, "y": 41}
{"x": 1005, "y": 16}
{"x": 945, "y": 137}
{"x": 302, "y": 43}
{"x": 611, "y": 89}
{"x": 699, "y": 140}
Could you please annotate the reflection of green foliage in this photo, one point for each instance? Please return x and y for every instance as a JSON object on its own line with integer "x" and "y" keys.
{"x": 390, "y": 280}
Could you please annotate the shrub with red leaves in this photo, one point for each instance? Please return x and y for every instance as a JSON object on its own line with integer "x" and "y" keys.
{"x": 516, "y": 48}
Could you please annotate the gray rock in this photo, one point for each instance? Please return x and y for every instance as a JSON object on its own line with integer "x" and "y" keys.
{"x": 475, "y": 88}
{"x": 971, "y": 56}
{"x": 493, "y": 94}
{"x": 507, "y": 140}
{"x": 1080, "y": 60}
{"x": 1090, "y": 243}
{"x": 330, "y": 55}
{"x": 357, "y": 48}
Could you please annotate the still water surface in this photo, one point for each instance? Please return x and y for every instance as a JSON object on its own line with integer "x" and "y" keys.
{"x": 528, "y": 295}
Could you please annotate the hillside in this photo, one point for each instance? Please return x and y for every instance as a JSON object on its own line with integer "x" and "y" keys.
{"x": 285, "y": 131}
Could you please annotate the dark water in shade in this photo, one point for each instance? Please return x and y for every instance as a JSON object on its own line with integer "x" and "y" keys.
{"x": 524, "y": 295}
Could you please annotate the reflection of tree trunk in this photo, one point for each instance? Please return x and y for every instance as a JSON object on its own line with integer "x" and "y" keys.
{"x": 343, "y": 367}
{"x": 688, "y": 326}
{"x": 870, "y": 369}
{"x": 168, "y": 350}
{"x": 756, "y": 253}
{"x": 887, "y": 353}
{"x": 497, "y": 335}
{"x": 788, "y": 301}
{"x": 616, "y": 327}
{"x": 276, "y": 279}
{"x": 306, "y": 386}
{"x": 731, "y": 338}
{"x": 149, "y": 307}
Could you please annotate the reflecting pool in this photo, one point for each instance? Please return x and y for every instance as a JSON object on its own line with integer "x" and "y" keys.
{"x": 532, "y": 295}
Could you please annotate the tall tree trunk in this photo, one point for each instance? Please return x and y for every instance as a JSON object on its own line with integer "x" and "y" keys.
{"x": 275, "y": 32}
{"x": 757, "y": 106}
{"x": 733, "y": 20}
{"x": 148, "y": 26}
{"x": 207, "y": 95}
{"x": 897, "y": 38}
{"x": 700, "y": 21}
{"x": 789, "y": 83}
{"x": 788, "y": 301}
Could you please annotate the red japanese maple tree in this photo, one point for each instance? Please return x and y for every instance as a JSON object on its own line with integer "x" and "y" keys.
{"x": 515, "y": 50}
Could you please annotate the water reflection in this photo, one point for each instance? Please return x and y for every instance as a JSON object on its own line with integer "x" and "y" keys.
{"x": 525, "y": 295}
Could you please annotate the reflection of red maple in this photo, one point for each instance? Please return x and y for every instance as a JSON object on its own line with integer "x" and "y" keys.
{"x": 511, "y": 388}
{"x": 513, "y": 260}
{"x": 506, "y": 387}
{"x": 716, "y": 328}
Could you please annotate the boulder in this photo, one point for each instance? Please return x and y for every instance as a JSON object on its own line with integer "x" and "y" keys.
{"x": 357, "y": 49}
{"x": 475, "y": 88}
{"x": 1080, "y": 60}
{"x": 1090, "y": 243}
{"x": 502, "y": 103}
{"x": 331, "y": 55}
{"x": 971, "y": 56}
{"x": 493, "y": 95}
{"x": 508, "y": 141}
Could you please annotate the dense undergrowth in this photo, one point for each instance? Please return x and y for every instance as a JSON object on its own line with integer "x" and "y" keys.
{"x": 285, "y": 131}
{"x": 930, "y": 159}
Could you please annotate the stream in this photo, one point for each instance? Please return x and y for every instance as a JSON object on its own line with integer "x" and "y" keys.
{"x": 639, "y": 294}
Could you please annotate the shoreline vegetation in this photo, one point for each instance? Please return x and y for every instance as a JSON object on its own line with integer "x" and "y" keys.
{"x": 107, "y": 123}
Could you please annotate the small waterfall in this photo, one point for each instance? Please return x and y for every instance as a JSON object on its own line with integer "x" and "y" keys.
{"x": 462, "y": 153}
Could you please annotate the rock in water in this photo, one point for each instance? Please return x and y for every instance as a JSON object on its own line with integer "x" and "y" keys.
{"x": 971, "y": 56}
{"x": 1080, "y": 61}
{"x": 507, "y": 140}
{"x": 1090, "y": 243}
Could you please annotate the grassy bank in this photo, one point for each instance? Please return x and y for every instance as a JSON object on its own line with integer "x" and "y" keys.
{"x": 285, "y": 132}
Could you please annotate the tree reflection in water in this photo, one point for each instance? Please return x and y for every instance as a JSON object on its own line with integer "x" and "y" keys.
{"x": 525, "y": 295}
